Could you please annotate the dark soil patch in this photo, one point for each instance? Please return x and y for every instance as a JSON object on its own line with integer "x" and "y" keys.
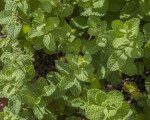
{"x": 3, "y": 103}
{"x": 44, "y": 63}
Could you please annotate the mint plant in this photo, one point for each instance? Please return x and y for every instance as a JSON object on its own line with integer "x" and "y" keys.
{"x": 75, "y": 59}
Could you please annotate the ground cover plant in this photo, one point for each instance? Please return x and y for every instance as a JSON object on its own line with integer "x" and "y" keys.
{"x": 75, "y": 59}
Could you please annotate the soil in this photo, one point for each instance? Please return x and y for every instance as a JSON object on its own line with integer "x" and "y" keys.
{"x": 3, "y": 103}
{"x": 44, "y": 63}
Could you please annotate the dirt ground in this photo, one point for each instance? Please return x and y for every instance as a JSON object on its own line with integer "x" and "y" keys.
{"x": 3, "y": 103}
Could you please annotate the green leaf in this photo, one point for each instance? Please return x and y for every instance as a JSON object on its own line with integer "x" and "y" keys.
{"x": 36, "y": 31}
{"x": 131, "y": 9}
{"x": 19, "y": 75}
{"x": 73, "y": 118}
{"x": 53, "y": 78}
{"x": 49, "y": 42}
{"x": 8, "y": 91}
{"x": 24, "y": 8}
{"x": 2, "y": 115}
{"x": 109, "y": 113}
{"x": 101, "y": 41}
{"x": 146, "y": 63}
{"x": 67, "y": 82}
{"x": 122, "y": 112}
{"x": 93, "y": 21}
{"x": 63, "y": 67}
{"x": 24, "y": 115}
{"x": 115, "y": 5}
{"x": 138, "y": 41}
{"x": 25, "y": 28}
{"x": 96, "y": 31}
{"x": 60, "y": 33}
{"x": 79, "y": 22}
{"x": 48, "y": 90}
{"x": 6, "y": 17}
{"x": 102, "y": 70}
{"x": 90, "y": 47}
{"x": 147, "y": 84}
{"x": 84, "y": 3}
{"x": 60, "y": 92}
{"x": 94, "y": 81}
{"x": 38, "y": 44}
{"x": 72, "y": 60}
{"x": 65, "y": 10}
{"x": 77, "y": 102}
{"x": 85, "y": 60}
{"x": 130, "y": 87}
{"x": 117, "y": 25}
{"x": 115, "y": 98}
{"x": 96, "y": 5}
{"x": 146, "y": 30}
{"x": 132, "y": 27}
{"x": 81, "y": 74}
{"x": 76, "y": 46}
{"x": 11, "y": 5}
{"x": 100, "y": 98}
{"x": 52, "y": 23}
{"x": 89, "y": 68}
{"x": 114, "y": 78}
{"x": 38, "y": 15}
{"x": 91, "y": 94}
{"x": 134, "y": 52}
{"x": 116, "y": 60}
{"x": 94, "y": 112}
{"x": 28, "y": 97}
{"x": 144, "y": 5}
{"x": 2, "y": 5}
{"x": 140, "y": 67}
{"x": 148, "y": 100}
{"x": 15, "y": 105}
{"x": 141, "y": 116}
{"x": 39, "y": 112}
{"x": 76, "y": 89}
{"x": 129, "y": 68}
{"x": 46, "y": 5}
{"x": 119, "y": 42}
{"x": 147, "y": 51}
{"x": 41, "y": 82}
{"x": 96, "y": 26}
{"x": 95, "y": 8}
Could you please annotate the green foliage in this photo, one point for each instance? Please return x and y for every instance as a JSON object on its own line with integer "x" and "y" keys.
{"x": 91, "y": 45}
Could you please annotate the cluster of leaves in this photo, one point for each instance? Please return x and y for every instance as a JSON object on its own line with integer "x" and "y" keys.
{"x": 100, "y": 40}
